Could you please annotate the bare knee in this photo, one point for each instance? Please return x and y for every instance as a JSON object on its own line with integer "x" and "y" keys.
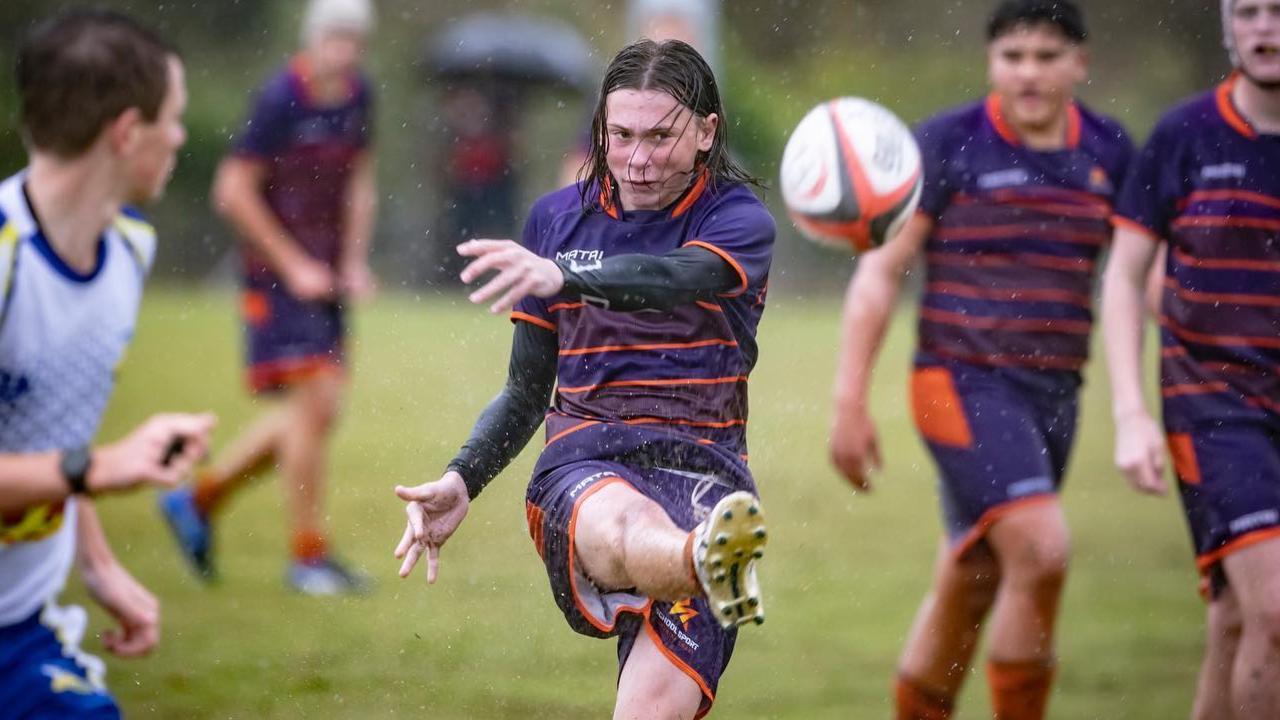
{"x": 1253, "y": 577}
{"x": 1043, "y": 568}
{"x": 1034, "y": 548}
{"x": 1037, "y": 563}
{"x": 1225, "y": 621}
{"x": 1262, "y": 620}
{"x": 600, "y": 536}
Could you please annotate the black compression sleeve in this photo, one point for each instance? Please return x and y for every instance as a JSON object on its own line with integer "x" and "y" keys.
{"x": 511, "y": 418}
{"x": 650, "y": 282}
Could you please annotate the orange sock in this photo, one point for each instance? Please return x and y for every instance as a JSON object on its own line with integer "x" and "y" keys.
{"x": 208, "y": 491}
{"x": 309, "y": 545}
{"x": 915, "y": 702}
{"x": 688, "y": 561}
{"x": 1020, "y": 689}
{"x": 211, "y": 490}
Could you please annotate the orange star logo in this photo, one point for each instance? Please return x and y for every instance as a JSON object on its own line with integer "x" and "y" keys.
{"x": 1098, "y": 180}
{"x": 684, "y": 612}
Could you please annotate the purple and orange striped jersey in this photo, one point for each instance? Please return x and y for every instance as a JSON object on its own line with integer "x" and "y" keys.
{"x": 309, "y": 151}
{"x": 1209, "y": 184}
{"x": 1010, "y": 264}
{"x": 668, "y": 384}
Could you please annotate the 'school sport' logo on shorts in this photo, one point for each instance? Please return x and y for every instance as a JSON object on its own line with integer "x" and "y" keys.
{"x": 671, "y": 625}
{"x": 684, "y": 612}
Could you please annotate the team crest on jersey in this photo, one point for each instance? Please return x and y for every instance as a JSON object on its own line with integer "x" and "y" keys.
{"x": 12, "y": 387}
{"x": 1099, "y": 182}
{"x": 684, "y": 612}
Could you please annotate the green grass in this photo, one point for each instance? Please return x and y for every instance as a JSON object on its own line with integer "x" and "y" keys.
{"x": 843, "y": 576}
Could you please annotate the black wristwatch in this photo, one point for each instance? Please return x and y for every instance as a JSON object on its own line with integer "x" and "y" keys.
{"x": 75, "y": 469}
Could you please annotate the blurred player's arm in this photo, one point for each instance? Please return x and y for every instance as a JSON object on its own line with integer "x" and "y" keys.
{"x": 143, "y": 457}
{"x": 623, "y": 282}
{"x": 358, "y": 221}
{"x": 135, "y": 609}
{"x": 510, "y": 420}
{"x": 1155, "y": 281}
{"x": 868, "y": 306}
{"x": 237, "y": 196}
{"x": 1139, "y": 442}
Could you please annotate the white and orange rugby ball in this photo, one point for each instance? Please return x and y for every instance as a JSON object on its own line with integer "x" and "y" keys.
{"x": 851, "y": 174}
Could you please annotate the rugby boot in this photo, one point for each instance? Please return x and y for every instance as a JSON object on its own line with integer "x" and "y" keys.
{"x": 725, "y": 549}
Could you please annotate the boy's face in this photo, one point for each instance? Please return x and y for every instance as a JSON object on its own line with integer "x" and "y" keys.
{"x": 654, "y": 143}
{"x": 1255, "y": 29}
{"x": 336, "y": 53}
{"x": 151, "y": 151}
{"x": 1035, "y": 70}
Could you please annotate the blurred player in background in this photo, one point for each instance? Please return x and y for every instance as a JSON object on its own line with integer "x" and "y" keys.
{"x": 1208, "y": 184}
{"x": 299, "y": 187}
{"x": 101, "y": 103}
{"x": 637, "y": 293}
{"x": 478, "y": 177}
{"x": 1017, "y": 194}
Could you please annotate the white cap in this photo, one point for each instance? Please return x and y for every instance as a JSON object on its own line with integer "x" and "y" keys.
{"x": 323, "y": 15}
{"x": 1228, "y": 40}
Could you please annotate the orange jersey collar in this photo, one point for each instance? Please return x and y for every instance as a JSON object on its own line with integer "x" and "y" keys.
{"x": 995, "y": 114}
{"x": 611, "y": 204}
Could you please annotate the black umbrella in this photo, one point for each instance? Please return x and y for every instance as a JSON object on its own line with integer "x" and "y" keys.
{"x": 517, "y": 48}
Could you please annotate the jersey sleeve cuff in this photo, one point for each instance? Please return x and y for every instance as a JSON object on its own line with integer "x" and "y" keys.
{"x": 516, "y": 315}
{"x": 469, "y": 478}
{"x": 743, "y": 281}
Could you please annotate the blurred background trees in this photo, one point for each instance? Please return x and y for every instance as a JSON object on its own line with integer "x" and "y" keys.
{"x": 778, "y": 58}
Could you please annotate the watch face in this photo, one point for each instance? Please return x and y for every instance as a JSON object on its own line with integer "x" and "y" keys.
{"x": 75, "y": 466}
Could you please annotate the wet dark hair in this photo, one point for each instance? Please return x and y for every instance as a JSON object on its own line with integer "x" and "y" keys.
{"x": 675, "y": 68}
{"x": 79, "y": 70}
{"x": 1061, "y": 14}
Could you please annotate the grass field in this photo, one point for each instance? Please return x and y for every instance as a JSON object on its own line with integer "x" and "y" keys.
{"x": 843, "y": 575}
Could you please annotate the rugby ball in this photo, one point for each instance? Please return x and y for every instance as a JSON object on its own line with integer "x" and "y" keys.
{"x": 851, "y": 174}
